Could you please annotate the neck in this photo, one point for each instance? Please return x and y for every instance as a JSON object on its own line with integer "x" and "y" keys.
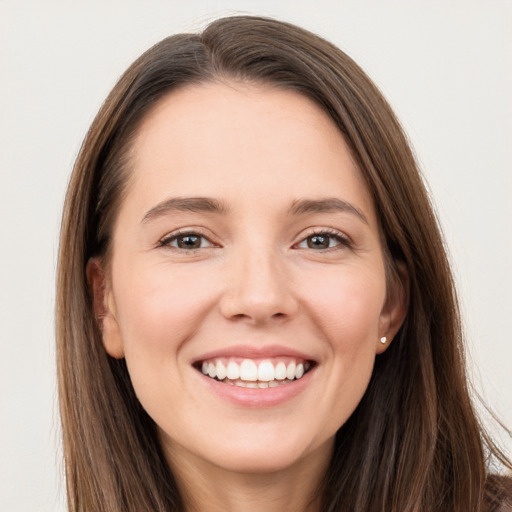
{"x": 207, "y": 487}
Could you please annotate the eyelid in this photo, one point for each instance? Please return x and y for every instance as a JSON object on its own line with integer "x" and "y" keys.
{"x": 344, "y": 240}
{"x": 173, "y": 235}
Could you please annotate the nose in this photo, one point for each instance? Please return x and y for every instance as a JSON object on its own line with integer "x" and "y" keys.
{"x": 258, "y": 289}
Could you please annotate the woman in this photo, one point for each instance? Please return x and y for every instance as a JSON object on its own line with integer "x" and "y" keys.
{"x": 255, "y": 308}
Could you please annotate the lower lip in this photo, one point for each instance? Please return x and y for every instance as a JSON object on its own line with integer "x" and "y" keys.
{"x": 257, "y": 397}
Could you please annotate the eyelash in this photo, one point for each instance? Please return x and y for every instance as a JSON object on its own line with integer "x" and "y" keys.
{"x": 167, "y": 240}
{"x": 341, "y": 239}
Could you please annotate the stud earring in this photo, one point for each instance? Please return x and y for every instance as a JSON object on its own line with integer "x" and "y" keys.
{"x": 383, "y": 340}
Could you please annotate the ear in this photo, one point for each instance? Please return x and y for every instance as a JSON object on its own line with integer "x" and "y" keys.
{"x": 104, "y": 308}
{"x": 395, "y": 307}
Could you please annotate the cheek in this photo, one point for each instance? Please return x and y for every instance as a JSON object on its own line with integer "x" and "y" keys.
{"x": 158, "y": 309}
{"x": 347, "y": 312}
{"x": 347, "y": 305}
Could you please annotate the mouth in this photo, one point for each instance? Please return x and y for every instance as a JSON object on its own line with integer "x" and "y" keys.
{"x": 255, "y": 373}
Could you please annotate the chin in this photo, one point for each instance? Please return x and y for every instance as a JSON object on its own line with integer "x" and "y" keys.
{"x": 256, "y": 449}
{"x": 265, "y": 453}
{"x": 257, "y": 461}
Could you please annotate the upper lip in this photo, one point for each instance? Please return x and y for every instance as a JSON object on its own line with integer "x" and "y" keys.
{"x": 254, "y": 352}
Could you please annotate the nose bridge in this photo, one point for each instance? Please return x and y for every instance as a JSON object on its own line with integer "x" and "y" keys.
{"x": 258, "y": 287}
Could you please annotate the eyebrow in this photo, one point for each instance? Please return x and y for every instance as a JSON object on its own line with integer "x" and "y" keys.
{"x": 210, "y": 205}
{"x": 185, "y": 204}
{"x": 326, "y": 205}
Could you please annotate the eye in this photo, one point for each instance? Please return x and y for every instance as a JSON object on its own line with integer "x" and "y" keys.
{"x": 186, "y": 241}
{"x": 323, "y": 240}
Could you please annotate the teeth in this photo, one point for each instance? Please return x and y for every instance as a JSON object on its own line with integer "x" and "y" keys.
{"x": 290, "y": 371}
{"x": 280, "y": 371}
{"x": 221, "y": 370}
{"x": 256, "y": 385}
{"x": 266, "y": 371}
{"x": 233, "y": 372}
{"x": 248, "y": 370}
{"x": 250, "y": 374}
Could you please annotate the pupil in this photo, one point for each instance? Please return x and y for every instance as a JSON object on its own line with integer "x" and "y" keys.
{"x": 318, "y": 242}
{"x": 189, "y": 242}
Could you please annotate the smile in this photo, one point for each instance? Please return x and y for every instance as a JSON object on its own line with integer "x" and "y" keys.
{"x": 254, "y": 373}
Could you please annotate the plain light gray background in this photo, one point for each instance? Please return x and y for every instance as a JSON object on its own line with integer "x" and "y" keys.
{"x": 446, "y": 68}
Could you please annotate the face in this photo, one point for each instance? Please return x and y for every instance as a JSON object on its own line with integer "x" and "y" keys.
{"x": 247, "y": 286}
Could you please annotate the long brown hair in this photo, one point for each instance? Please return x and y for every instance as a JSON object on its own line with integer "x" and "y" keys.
{"x": 413, "y": 443}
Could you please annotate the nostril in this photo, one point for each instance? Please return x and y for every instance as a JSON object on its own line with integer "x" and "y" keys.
{"x": 240, "y": 316}
{"x": 258, "y": 298}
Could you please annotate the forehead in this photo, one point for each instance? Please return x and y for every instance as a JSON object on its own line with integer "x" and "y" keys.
{"x": 229, "y": 139}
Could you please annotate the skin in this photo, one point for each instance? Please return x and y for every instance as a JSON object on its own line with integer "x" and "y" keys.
{"x": 256, "y": 279}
